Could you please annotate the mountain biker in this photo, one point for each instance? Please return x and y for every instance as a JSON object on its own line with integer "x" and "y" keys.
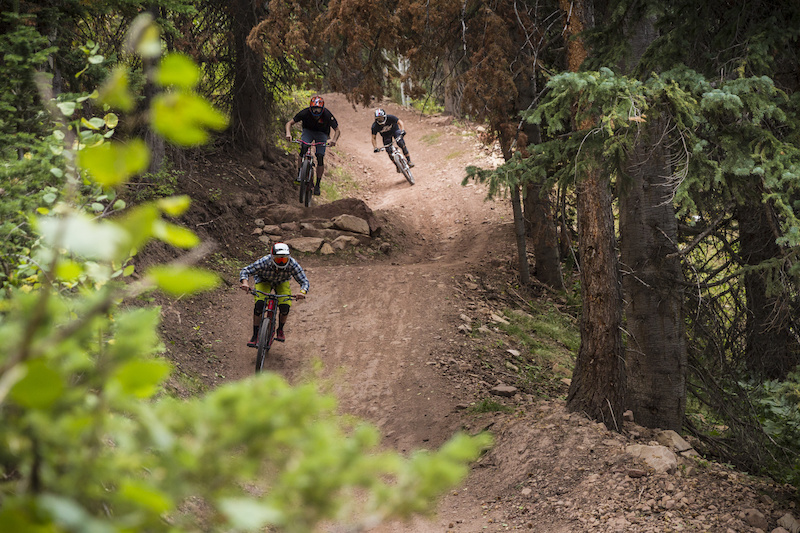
{"x": 390, "y": 127}
{"x": 272, "y": 272}
{"x": 317, "y": 125}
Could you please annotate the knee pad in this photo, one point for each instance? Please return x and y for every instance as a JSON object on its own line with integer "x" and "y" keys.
{"x": 259, "y": 307}
{"x": 320, "y": 159}
{"x": 284, "y": 309}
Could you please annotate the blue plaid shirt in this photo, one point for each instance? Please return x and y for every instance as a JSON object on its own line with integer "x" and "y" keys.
{"x": 264, "y": 270}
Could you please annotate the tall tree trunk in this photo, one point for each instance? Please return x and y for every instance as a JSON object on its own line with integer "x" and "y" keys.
{"x": 252, "y": 103}
{"x": 544, "y": 237}
{"x": 519, "y": 231}
{"x": 541, "y": 227}
{"x": 771, "y": 351}
{"x": 656, "y": 346}
{"x": 598, "y": 381}
{"x": 655, "y": 354}
{"x": 507, "y": 141}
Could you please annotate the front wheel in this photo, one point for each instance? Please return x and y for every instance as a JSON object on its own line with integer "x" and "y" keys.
{"x": 309, "y": 187}
{"x": 265, "y": 334}
{"x": 305, "y": 179}
{"x": 407, "y": 172}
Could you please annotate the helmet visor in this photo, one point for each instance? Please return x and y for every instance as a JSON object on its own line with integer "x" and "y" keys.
{"x": 281, "y": 260}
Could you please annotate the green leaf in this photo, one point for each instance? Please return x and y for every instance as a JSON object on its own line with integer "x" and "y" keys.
{"x": 119, "y": 204}
{"x": 184, "y": 118}
{"x": 248, "y": 514}
{"x": 111, "y": 120}
{"x": 115, "y": 91}
{"x": 179, "y": 280}
{"x": 128, "y": 270}
{"x": 39, "y": 388}
{"x": 93, "y": 124}
{"x": 178, "y": 70}
{"x": 68, "y": 270}
{"x": 141, "y": 378}
{"x": 96, "y": 59}
{"x": 174, "y": 205}
{"x": 112, "y": 163}
{"x": 57, "y": 172}
{"x": 67, "y": 108}
{"x": 175, "y": 235}
{"x": 139, "y": 223}
{"x": 49, "y": 198}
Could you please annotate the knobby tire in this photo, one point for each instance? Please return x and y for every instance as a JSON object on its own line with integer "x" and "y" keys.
{"x": 407, "y": 172}
{"x": 265, "y": 334}
{"x": 309, "y": 191}
{"x": 305, "y": 179}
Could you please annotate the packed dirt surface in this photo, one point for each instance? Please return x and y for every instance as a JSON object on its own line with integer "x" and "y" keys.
{"x": 380, "y": 329}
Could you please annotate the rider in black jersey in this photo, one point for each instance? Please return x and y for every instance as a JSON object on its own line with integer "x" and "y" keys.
{"x": 317, "y": 125}
{"x": 390, "y": 127}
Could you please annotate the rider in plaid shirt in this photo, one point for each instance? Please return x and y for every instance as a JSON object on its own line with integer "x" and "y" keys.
{"x": 272, "y": 273}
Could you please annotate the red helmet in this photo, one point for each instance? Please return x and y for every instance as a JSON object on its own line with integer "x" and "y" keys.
{"x": 317, "y": 104}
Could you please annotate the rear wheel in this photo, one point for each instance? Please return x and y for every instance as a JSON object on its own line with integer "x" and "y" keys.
{"x": 265, "y": 333}
{"x": 305, "y": 178}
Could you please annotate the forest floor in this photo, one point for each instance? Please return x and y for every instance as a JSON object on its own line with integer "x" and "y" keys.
{"x": 380, "y": 331}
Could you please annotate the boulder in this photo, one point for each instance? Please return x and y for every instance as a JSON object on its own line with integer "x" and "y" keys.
{"x": 659, "y": 458}
{"x": 305, "y": 244}
{"x": 350, "y": 206}
{"x": 351, "y": 223}
{"x": 344, "y": 241}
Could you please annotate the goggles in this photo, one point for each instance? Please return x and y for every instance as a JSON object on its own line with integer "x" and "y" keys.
{"x": 316, "y": 110}
{"x": 281, "y": 260}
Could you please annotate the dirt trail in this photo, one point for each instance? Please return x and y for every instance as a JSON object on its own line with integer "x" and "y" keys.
{"x": 374, "y": 326}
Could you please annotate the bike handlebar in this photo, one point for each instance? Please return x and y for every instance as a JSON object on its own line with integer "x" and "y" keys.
{"x": 256, "y": 292}
{"x": 315, "y": 143}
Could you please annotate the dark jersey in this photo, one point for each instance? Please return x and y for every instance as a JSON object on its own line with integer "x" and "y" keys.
{"x": 388, "y": 129}
{"x": 322, "y": 123}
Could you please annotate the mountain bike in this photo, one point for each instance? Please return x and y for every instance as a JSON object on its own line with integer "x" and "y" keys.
{"x": 400, "y": 161}
{"x": 307, "y": 170}
{"x": 269, "y": 324}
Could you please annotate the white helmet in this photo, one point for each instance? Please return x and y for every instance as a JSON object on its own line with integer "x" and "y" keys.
{"x": 380, "y": 116}
{"x": 280, "y": 255}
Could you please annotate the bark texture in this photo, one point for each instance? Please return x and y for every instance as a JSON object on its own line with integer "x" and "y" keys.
{"x": 652, "y": 282}
{"x": 598, "y": 381}
{"x": 251, "y": 102}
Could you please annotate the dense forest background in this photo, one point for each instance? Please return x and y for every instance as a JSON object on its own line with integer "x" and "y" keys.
{"x": 652, "y": 155}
